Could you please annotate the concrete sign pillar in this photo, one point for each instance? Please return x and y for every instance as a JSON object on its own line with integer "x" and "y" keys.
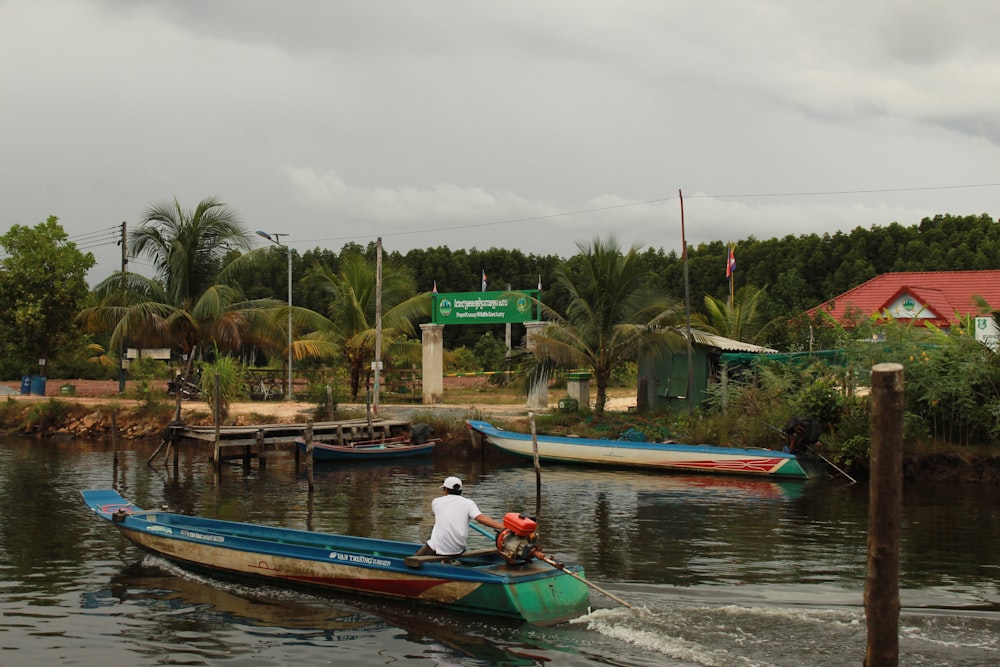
{"x": 433, "y": 363}
{"x": 578, "y": 387}
{"x": 538, "y": 398}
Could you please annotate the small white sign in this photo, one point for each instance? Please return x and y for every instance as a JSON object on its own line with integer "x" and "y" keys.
{"x": 988, "y": 332}
{"x": 376, "y": 365}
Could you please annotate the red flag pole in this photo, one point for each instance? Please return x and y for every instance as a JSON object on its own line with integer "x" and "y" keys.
{"x": 732, "y": 277}
{"x": 687, "y": 300}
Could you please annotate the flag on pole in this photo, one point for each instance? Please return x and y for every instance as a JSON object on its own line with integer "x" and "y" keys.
{"x": 731, "y": 262}
{"x": 435, "y": 290}
{"x": 484, "y": 280}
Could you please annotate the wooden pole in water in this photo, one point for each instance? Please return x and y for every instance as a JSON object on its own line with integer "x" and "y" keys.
{"x": 884, "y": 517}
{"x": 156, "y": 451}
{"x": 114, "y": 434}
{"x": 261, "y": 454}
{"x": 309, "y": 452}
{"x": 173, "y": 447}
{"x": 114, "y": 440}
{"x": 218, "y": 429}
{"x": 538, "y": 467}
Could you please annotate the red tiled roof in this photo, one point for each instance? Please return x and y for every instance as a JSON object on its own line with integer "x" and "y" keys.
{"x": 940, "y": 296}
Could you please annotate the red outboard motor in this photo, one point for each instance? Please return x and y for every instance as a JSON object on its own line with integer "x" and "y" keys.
{"x": 517, "y": 542}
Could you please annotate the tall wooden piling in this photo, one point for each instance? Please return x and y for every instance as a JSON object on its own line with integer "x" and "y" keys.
{"x": 261, "y": 453}
{"x": 114, "y": 435}
{"x": 309, "y": 452}
{"x": 218, "y": 430}
{"x": 114, "y": 441}
{"x": 538, "y": 466}
{"x": 884, "y": 517}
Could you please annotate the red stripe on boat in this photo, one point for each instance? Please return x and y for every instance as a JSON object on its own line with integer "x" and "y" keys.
{"x": 754, "y": 465}
{"x": 404, "y": 587}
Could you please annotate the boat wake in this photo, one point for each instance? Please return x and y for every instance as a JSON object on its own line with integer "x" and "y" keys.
{"x": 779, "y": 636}
{"x": 730, "y": 635}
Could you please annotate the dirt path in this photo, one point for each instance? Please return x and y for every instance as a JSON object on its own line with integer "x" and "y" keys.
{"x": 104, "y": 392}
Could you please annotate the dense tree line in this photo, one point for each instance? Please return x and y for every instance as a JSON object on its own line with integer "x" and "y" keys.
{"x": 792, "y": 274}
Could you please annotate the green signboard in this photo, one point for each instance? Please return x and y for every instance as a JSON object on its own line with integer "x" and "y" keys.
{"x": 484, "y": 307}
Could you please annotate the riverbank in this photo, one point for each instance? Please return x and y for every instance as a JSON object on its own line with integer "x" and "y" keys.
{"x": 94, "y": 406}
{"x": 95, "y": 410}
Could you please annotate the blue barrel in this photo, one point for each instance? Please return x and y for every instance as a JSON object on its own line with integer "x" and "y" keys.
{"x": 38, "y": 385}
{"x": 25, "y": 385}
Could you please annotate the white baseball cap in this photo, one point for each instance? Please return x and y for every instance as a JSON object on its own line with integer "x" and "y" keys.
{"x": 453, "y": 483}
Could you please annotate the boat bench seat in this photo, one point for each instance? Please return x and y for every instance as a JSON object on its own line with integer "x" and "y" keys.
{"x": 418, "y": 561}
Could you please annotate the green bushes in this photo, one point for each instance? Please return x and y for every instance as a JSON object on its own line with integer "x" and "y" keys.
{"x": 42, "y": 416}
{"x": 951, "y": 385}
{"x": 226, "y": 373}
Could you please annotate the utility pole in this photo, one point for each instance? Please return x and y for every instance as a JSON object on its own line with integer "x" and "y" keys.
{"x": 276, "y": 240}
{"x": 122, "y": 361}
{"x": 377, "y": 364}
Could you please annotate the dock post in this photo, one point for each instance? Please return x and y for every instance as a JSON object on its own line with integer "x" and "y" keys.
{"x": 298, "y": 458}
{"x": 175, "y": 447}
{"x": 114, "y": 456}
{"x": 261, "y": 454}
{"x": 218, "y": 430}
{"x": 884, "y": 516}
{"x": 114, "y": 435}
{"x": 309, "y": 452}
{"x": 538, "y": 467}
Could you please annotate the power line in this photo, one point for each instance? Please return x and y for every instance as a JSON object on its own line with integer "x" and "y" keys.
{"x": 91, "y": 240}
{"x": 110, "y": 232}
{"x": 647, "y": 202}
{"x": 852, "y": 192}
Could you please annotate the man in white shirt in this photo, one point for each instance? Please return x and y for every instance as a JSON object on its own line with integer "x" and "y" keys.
{"x": 452, "y": 514}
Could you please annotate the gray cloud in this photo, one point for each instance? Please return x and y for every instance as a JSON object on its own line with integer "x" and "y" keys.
{"x": 490, "y": 124}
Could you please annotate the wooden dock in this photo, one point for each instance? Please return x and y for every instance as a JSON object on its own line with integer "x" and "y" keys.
{"x": 248, "y": 442}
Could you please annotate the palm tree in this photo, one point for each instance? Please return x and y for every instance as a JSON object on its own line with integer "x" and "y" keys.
{"x": 348, "y": 326}
{"x": 737, "y": 320}
{"x": 611, "y": 317}
{"x": 188, "y": 303}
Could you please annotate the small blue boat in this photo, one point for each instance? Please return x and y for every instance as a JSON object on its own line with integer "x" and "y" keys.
{"x": 369, "y": 450}
{"x": 486, "y": 581}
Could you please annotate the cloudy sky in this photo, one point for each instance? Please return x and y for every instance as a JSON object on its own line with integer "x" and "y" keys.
{"x": 519, "y": 124}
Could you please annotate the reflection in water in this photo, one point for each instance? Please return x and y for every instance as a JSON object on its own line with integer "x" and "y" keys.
{"x": 723, "y": 571}
{"x": 181, "y": 598}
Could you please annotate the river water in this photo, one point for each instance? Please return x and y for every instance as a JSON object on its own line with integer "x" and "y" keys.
{"x": 720, "y": 571}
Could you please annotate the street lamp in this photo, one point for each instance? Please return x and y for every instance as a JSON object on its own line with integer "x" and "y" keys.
{"x": 275, "y": 239}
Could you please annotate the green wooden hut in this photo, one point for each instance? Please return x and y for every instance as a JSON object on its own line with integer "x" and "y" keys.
{"x": 663, "y": 380}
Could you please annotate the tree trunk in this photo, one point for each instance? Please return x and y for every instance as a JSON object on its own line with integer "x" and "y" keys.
{"x": 602, "y": 394}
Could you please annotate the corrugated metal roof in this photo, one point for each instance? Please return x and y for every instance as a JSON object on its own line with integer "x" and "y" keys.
{"x": 940, "y": 296}
{"x": 728, "y": 344}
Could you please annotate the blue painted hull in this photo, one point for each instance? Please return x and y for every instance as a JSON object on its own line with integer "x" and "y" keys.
{"x": 478, "y": 582}
{"x": 663, "y": 456}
